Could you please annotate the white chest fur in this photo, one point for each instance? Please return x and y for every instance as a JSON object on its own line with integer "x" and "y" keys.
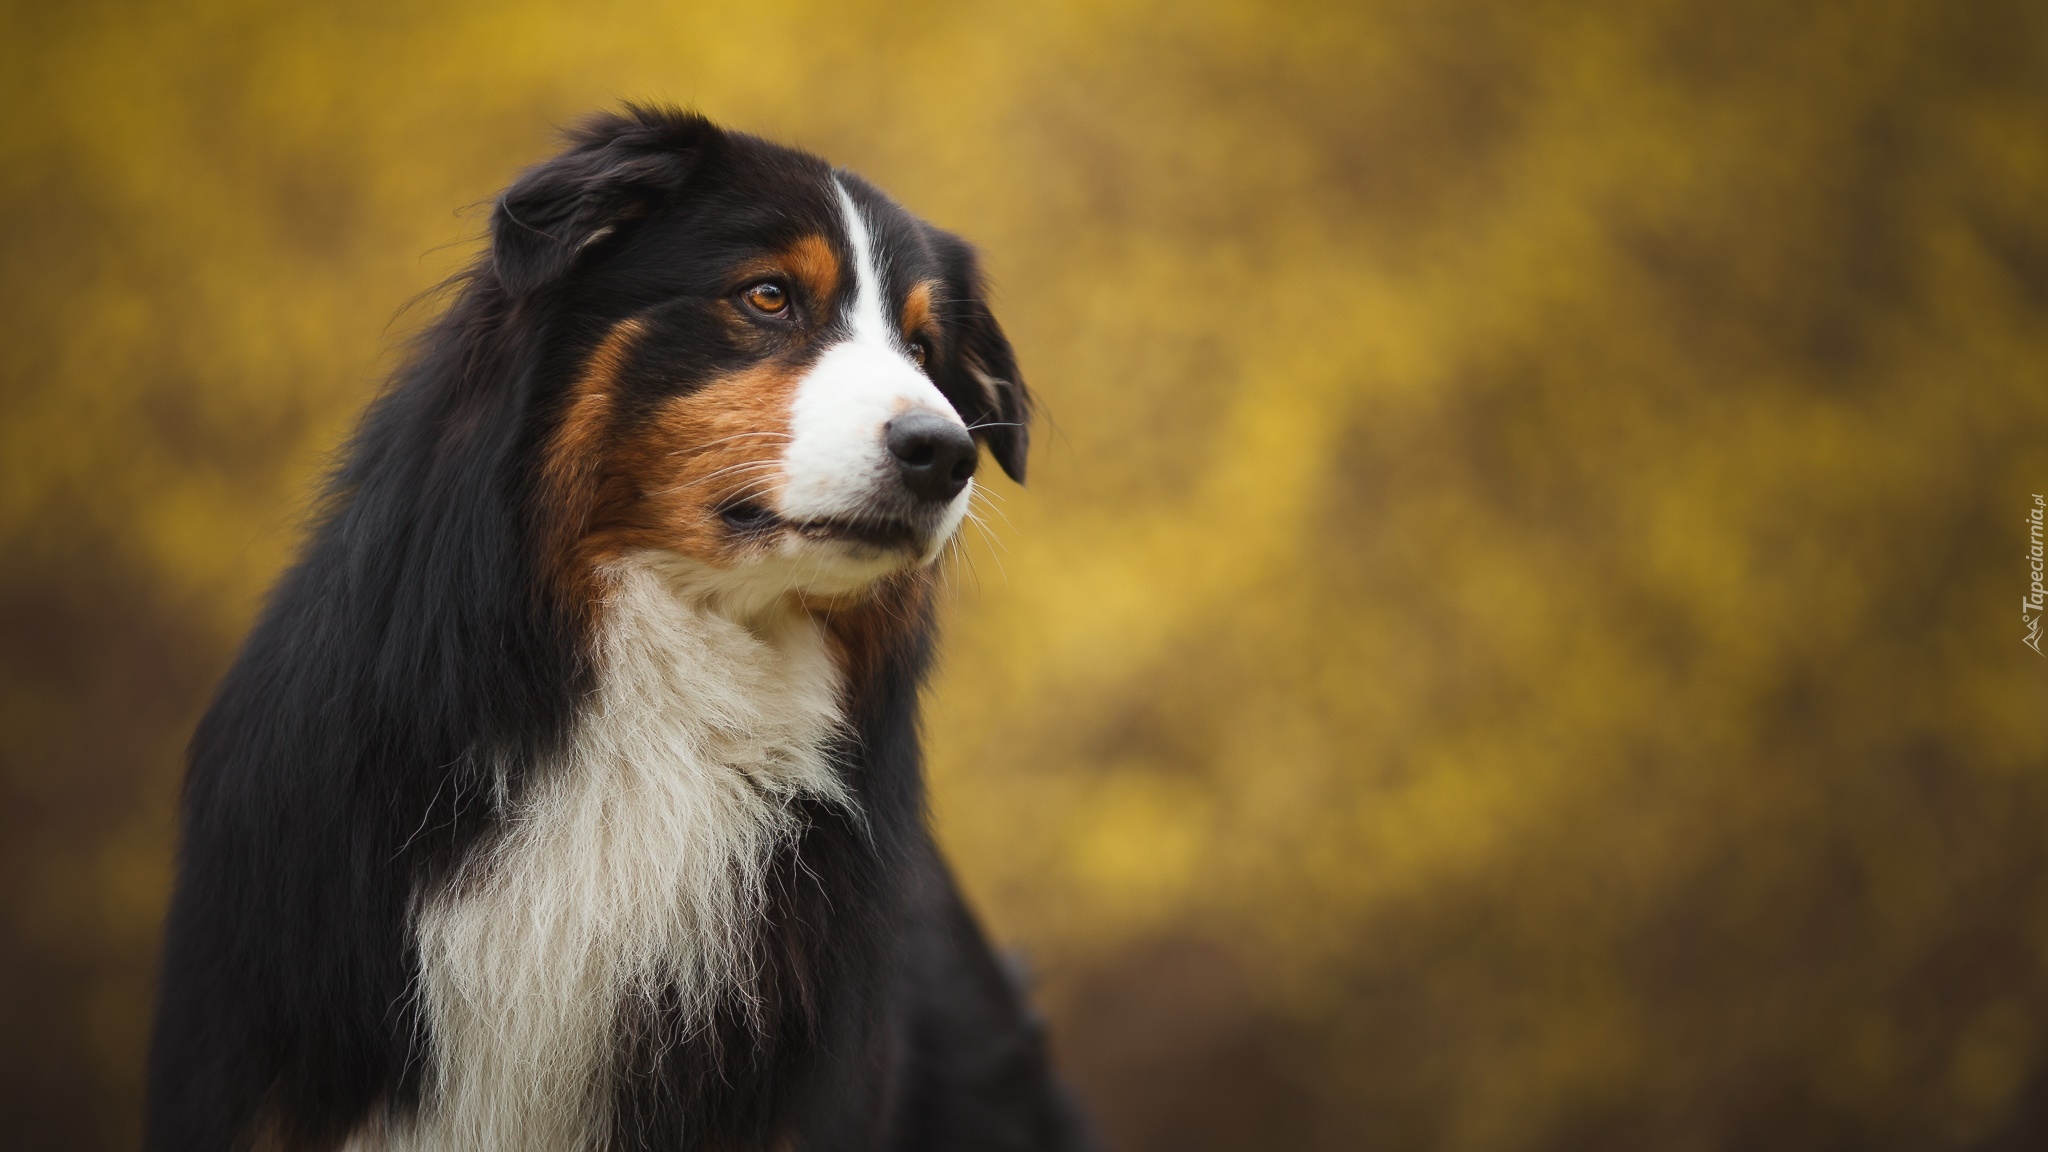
{"x": 634, "y": 866}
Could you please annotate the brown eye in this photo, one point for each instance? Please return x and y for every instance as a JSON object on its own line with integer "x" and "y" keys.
{"x": 917, "y": 352}
{"x": 769, "y": 297}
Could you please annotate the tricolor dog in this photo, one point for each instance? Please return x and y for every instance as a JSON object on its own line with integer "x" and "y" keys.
{"x": 567, "y": 794}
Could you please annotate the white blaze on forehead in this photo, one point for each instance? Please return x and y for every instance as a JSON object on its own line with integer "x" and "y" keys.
{"x": 837, "y": 465}
{"x": 870, "y": 319}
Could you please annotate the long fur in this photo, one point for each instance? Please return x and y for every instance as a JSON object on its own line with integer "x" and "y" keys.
{"x": 631, "y": 873}
{"x": 514, "y": 826}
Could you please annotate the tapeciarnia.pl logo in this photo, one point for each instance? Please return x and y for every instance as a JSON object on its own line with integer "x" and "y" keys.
{"x": 2036, "y": 599}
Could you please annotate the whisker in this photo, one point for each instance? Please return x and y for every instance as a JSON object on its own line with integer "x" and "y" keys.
{"x": 943, "y": 569}
{"x": 757, "y": 465}
{"x": 759, "y": 432}
{"x": 948, "y": 566}
{"x": 995, "y": 505}
{"x": 743, "y": 466}
{"x": 967, "y": 558}
{"x": 995, "y": 546}
{"x": 709, "y": 444}
{"x": 749, "y": 491}
{"x": 997, "y": 510}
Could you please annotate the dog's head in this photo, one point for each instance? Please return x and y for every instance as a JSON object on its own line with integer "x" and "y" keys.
{"x": 765, "y": 368}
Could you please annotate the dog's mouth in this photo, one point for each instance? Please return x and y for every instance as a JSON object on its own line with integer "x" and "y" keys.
{"x": 882, "y": 533}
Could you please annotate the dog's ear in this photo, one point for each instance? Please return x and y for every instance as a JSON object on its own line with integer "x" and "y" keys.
{"x": 977, "y": 369}
{"x": 617, "y": 169}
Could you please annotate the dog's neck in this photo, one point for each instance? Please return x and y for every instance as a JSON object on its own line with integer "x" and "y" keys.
{"x": 632, "y": 869}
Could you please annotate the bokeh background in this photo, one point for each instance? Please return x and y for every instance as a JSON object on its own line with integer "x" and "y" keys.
{"x": 1512, "y": 641}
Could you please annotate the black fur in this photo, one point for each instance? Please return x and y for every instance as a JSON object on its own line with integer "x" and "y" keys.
{"x": 347, "y": 762}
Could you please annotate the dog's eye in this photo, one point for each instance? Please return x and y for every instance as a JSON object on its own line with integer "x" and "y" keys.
{"x": 768, "y": 297}
{"x": 917, "y": 352}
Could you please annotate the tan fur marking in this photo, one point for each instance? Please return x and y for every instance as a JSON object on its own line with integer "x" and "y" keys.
{"x": 663, "y": 485}
{"x": 917, "y": 310}
{"x": 574, "y": 449}
{"x": 812, "y": 261}
{"x": 572, "y": 467}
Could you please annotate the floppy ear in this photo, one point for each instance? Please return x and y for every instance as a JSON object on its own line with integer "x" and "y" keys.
{"x": 617, "y": 169}
{"x": 978, "y": 370}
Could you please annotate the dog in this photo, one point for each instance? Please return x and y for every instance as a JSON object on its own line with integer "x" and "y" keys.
{"x": 567, "y": 793}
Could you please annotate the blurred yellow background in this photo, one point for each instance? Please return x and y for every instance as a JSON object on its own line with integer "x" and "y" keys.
{"x": 1512, "y": 641}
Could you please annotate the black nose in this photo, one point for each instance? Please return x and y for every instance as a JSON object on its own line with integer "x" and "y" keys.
{"x": 934, "y": 455}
